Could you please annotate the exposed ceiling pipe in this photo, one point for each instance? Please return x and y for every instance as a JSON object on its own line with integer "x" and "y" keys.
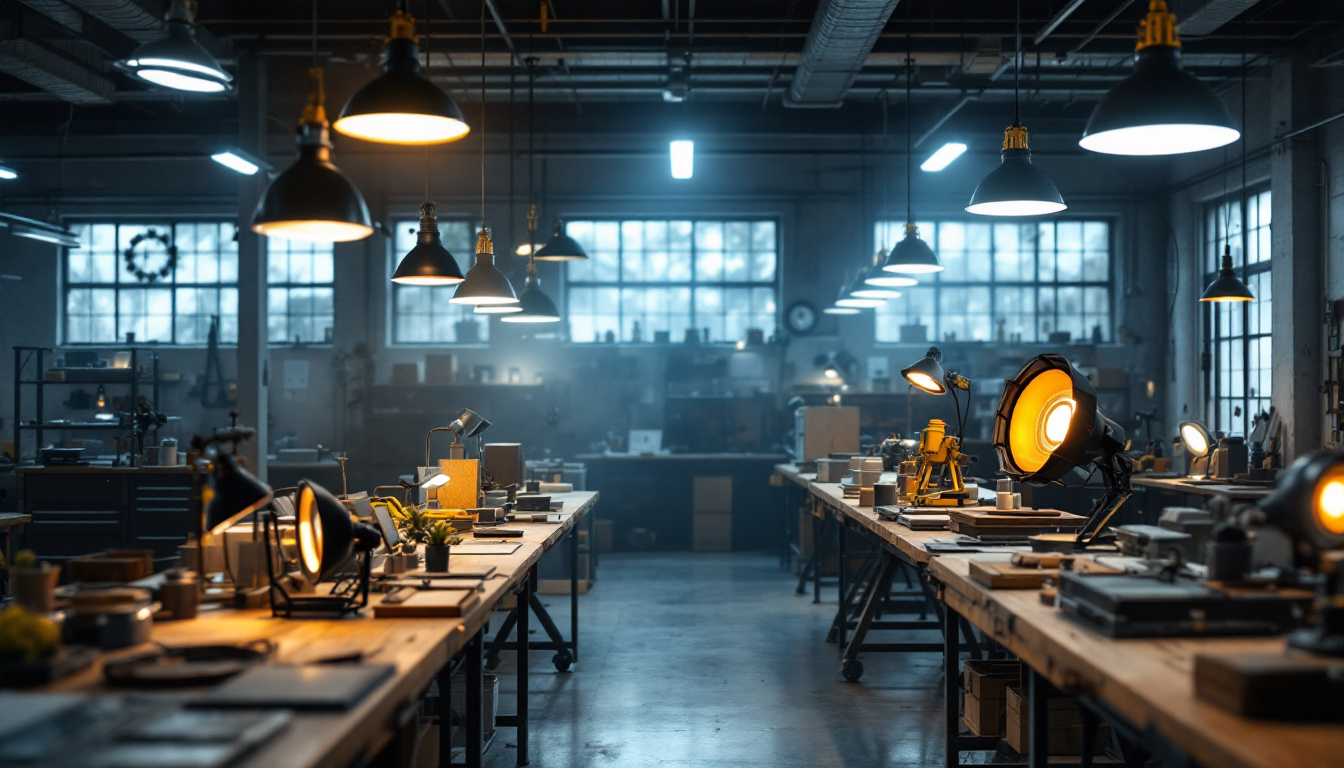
{"x": 137, "y": 20}
{"x": 54, "y": 73}
{"x": 842, "y": 35}
{"x": 1053, "y": 24}
{"x": 1203, "y": 17}
{"x": 59, "y": 12}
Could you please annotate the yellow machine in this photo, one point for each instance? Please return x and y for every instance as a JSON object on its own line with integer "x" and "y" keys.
{"x": 941, "y": 452}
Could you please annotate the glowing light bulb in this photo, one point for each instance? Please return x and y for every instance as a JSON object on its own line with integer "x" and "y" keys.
{"x": 1057, "y": 423}
{"x": 1332, "y": 506}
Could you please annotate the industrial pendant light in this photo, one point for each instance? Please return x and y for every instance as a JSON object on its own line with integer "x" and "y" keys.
{"x": 529, "y": 245}
{"x": 1016, "y": 187}
{"x": 910, "y": 256}
{"x": 561, "y": 247}
{"x": 428, "y": 263}
{"x": 877, "y": 276}
{"x": 536, "y": 306}
{"x": 878, "y": 283}
{"x": 177, "y": 60}
{"x": 850, "y": 298}
{"x": 7, "y": 173}
{"x": 1160, "y": 109}
{"x": 401, "y": 106}
{"x": 1227, "y": 286}
{"x": 836, "y": 308}
{"x": 485, "y": 284}
{"x": 312, "y": 200}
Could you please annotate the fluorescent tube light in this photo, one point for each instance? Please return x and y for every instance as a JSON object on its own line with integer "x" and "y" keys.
{"x": 237, "y": 160}
{"x": 683, "y": 159}
{"x": 943, "y": 157}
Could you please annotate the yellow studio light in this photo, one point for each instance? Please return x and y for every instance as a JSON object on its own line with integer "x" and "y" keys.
{"x": 1034, "y": 429}
{"x": 309, "y": 527}
{"x": 1329, "y": 506}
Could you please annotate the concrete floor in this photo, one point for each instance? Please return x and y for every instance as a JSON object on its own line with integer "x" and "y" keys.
{"x": 697, "y": 659}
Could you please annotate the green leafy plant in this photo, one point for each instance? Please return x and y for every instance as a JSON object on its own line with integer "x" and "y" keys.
{"x": 441, "y": 534}
{"x": 415, "y": 525}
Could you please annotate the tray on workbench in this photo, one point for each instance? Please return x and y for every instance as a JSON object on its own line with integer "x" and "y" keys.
{"x": 988, "y": 522}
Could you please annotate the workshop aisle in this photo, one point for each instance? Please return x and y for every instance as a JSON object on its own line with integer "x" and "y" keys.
{"x": 698, "y": 659}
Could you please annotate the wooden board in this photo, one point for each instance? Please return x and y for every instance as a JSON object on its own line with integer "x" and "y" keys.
{"x": 427, "y": 604}
{"x": 463, "y": 486}
{"x": 1002, "y": 574}
{"x": 1047, "y": 518}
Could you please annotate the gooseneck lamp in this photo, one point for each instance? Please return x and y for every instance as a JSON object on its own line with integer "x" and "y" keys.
{"x": 1016, "y": 187}
{"x": 327, "y": 537}
{"x": 312, "y": 200}
{"x": 1049, "y": 430}
{"x": 1160, "y": 109}
{"x": 1199, "y": 443}
{"x": 927, "y": 374}
{"x": 1227, "y": 286}
{"x": 428, "y": 263}
{"x": 177, "y": 60}
{"x": 401, "y": 106}
{"x": 1307, "y": 504}
{"x": 560, "y": 247}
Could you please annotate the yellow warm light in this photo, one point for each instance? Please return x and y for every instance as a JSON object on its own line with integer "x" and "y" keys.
{"x": 1226, "y": 299}
{"x": 429, "y": 281}
{"x": 310, "y": 532}
{"x": 925, "y": 382}
{"x": 313, "y": 231}
{"x": 402, "y": 128}
{"x": 1330, "y": 502}
{"x": 1035, "y": 422}
{"x": 1194, "y": 440}
{"x": 831, "y": 373}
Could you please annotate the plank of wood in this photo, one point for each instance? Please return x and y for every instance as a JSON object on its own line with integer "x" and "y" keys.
{"x": 425, "y": 604}
{"x": 1005, "y": 575}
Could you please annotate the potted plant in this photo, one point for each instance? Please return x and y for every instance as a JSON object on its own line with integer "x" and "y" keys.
{"x": 438, "y": 539}
{"x": 32, "y": 583}
{"x": 414, "y": 525}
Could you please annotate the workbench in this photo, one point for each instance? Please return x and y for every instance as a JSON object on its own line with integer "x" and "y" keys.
{"x": 1143, "y": 687}
{"x": 794, "y": 489}
{"x": 422, "y": 650}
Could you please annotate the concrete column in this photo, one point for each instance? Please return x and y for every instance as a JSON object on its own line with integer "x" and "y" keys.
{"x": 1296, "y": 260}
{"x": 253, "y": 351}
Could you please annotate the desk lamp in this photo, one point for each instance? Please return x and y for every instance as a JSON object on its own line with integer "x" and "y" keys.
{"x": 1048, "y": 429}
{"x": 1198, "y": 443}
{"x": 936, "y": 447}
{"x": 235, "y": 492}
{"x": 327, "y": 536}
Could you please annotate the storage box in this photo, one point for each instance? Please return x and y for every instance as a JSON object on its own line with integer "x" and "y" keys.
{"x": 712, "y": 493}
{"x": 820, "y": 430}
{"x": 1066, "y": 725}
{"x": 990, "y": 679}
{"x": 984, "y": 717}
{"x": 713, "y": 532}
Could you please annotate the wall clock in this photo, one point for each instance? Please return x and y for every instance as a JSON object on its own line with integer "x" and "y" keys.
{"x": 151, "y": 256}
{"x": 801, "y": 317}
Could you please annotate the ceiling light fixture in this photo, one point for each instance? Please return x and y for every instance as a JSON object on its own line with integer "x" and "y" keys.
{"x": 485, "y": 284}
{"x": 1160, "y": 109}
{"x": 401, "y": 106}
{"x": 240, "y": 162}
{"x": 944, "y": 157}
{"x": 561, "y": 247}
{"x": 1227, "y": 287}
{"x": 178, "y": 61}
{"x": 534, "y": 306}
{"x": 682, "y": 153}
{"x": 1016, "y": 187}
{"x": 910, "y": 256}
{"x": 428, "y": 263}
{"x": 312, "y": 200}
{"x": 7, "y": 173}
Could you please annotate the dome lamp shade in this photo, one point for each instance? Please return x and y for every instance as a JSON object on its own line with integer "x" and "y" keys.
{"x": 401, "y": 106}
{"x": 1227, "y": 286}
{"x": 561, "y": 247}
{"x": 428, "y": 263}
{"x": 312, "y": 200}
{"x": 536, "y": 306}
{"x": 1160, "y": 109}
{"x": 912, "y": 256}
{"x": 177, "y": 60}
{"x": 878, "y": 277}
{"x": 1016, "y": 187}
{"x": 1195, "y": 438}
{"x": 237, "y": 494}
{"x": 485, "y": 284}
{"x": 927, "y": 373}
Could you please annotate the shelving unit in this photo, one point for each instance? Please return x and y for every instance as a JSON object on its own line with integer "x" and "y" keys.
{"x": 30, "y": 370}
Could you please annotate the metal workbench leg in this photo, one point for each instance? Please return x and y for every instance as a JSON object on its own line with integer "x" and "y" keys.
{"x": 473, "y": 722}
{"x": 574, "y": 592}
{"x": 951, "y": 691}
{"x": 850, "y": 666}
{"x": 811, "y": 560}
{"x": 1038, "y": 693}
{"x": 529, "y": 584}
{"x": 1090, "y": 723}
{"x": 818, "y": 560}
{"x": 841, "y": 547}
{"x": 563, "y": 655}
{"x": 445, "y": 680}
{"x": 855, "y": 587}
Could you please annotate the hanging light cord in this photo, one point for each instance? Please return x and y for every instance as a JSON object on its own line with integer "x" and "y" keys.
{"x": 1245, "y": 262}
{"x": 428, "y": 39}
{"x": 1017, "y": 66}
{"x": 909, "y": 78}
{"x": 482, "y": 116}
{"x": 886, "y": 170}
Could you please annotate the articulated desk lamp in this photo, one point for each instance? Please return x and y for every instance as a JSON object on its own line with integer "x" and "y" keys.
{"x": 1048, "y": 429}
{"x": 936, "y": 447}
{"x": 234, "y": 492}
{"x": 327, "y": 536}
{"x": 1198, "y": 443}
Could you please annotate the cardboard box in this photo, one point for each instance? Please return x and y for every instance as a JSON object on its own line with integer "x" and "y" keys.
{"x": 712, "y": 532}
{"x": 822, "y": 430}
{"x": 984, "y": 717}
{"x": 1066, "y": 725}
{"x": 712, "y": 494}
{"x": 990, "y": 679}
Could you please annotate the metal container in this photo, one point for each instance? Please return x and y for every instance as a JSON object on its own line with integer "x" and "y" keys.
{"x": 181, "y": 593}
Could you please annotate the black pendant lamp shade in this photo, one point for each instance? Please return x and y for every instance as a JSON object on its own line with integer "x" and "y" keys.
{"x": 401, "y": 106}
{"x": 177, "y": 60}
{"x": 536, "y": 306}
{"x": 1160, "y": 109}
{"x": 1016, "y": 187}
{"x": 561, "y": 247}
{"x": 1227, "y": 286}
{"x": 912, "y": 256}
{"x": 927, "y": 373}
{"x": 312, "y": 200}
{"x": 485, "y": 284}
{"x": 879, "y": 277}
{"x": 428, "y": 263}
{"x": 237, "y": 494}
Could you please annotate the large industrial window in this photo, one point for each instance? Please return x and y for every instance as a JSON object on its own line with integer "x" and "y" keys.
{"x": 301, "y": 292}
{"x": 163, "y": 282}
{"x": 656, "y": 280}
{"x": 423, "y": 315}
{"x": 1038, "y": 282}
{"x": 1237, "y": 381}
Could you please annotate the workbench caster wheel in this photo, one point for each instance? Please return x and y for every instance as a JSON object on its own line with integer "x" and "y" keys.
{"x": 852, "y": 670}
{"x": 491, "y": 662}
{"x": 561, "y": 662}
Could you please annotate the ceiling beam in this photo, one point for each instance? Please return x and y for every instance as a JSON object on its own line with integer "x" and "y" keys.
{"x": 842, "y": 34}
{"x": 54, "y": 73}
{"x": 1204, "y": 17}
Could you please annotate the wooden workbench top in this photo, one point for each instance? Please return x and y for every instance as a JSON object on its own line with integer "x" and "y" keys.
{"x": 791, "y": 472}
{"x": 418, "y": 648}
{"x": 98, "y": 469}
{"x": 910, "y": 543}
{"x": 682, "y": 456}
{"x": 1183, "y": 485}
{"x": 1149, "y": 682}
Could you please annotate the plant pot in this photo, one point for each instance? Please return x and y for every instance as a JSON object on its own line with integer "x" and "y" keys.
{"x": 35, "y": 588}
{"x": 436, "y": 558}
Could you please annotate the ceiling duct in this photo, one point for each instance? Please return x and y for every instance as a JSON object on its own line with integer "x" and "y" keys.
{"x": 138, "y": 20}
{"x": 59, "y": 12}
{"x": 1203, "y": 17}
{"x": 54, "y": 73}
{"x": 838, "y": 43}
